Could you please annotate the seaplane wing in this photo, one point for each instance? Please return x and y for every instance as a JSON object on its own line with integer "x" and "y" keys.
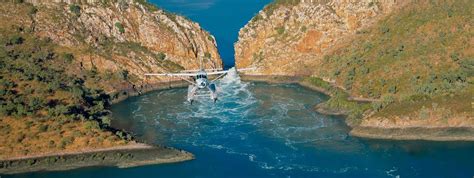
{"x": 218, "y": 72}
{"x": 197, "y": 70}
{"x": 227, "y": 71}
{"x": 173, "y": 74}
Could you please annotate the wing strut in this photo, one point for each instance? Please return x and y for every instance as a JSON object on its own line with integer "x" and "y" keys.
{"x": 219, "y": 77}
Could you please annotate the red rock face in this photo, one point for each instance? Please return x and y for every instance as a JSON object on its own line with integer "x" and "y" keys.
{"x": 146, "y": 33}
{"x": 310, "y": 43}
{"x": 291, "y": 37}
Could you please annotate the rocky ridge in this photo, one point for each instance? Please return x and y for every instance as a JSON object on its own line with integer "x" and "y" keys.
{"x": 285, "y": 39}
{"x": 408, "y": 63}
{"x": 117, "y": 36}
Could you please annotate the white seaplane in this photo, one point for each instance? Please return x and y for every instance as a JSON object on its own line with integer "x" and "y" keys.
{"x": 200, "y": 84}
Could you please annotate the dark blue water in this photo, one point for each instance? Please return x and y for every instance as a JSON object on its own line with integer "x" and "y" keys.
{"x": 263, "y": 130}
{"x": 223, "y": 18}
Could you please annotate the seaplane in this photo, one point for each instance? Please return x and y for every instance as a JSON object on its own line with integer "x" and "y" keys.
{"x": 199, "y": 83}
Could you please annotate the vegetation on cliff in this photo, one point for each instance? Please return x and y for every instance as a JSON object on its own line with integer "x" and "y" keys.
{"x": 42, "y": 107}
{"x": 420, "y": 59}
{"x": 413, "y": 60}
{"x": 62, "y": 64}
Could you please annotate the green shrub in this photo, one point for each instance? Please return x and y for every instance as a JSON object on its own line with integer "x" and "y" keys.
{"x": 467, "y": 66}
{"x": 320, "y": 83}
{"x": 348, "y": 83}
{"x": 65, "y": 141}
{"x": 382, "y": 82}
{"x": 392, "y": 89}
{"x": 58, "y": 110}
{"x": 280, "y": 30}
{"x": 454, "y": 56}
{"x": 303, "y": 28}
{"x": 43, "y": 128}
{"x": 256, "y": 18}
{"x": 161, "y": 56}
{"x": 68, "y": 57}
{"x": 77, "y": 92}
{"x": 351, "y": 73}
{"x": 32, "y": 10}
{"x": 36, "y": 103}
{"x": 76, "y": 9}
{"x": 53, "y": 86}
{"x": 123, "y": 74}
{"x": 120, "y": 134}
{"x": 106, "y": 120}
{"x": 77, "y": 133}
{"x": 377, "y": 106}
{"x": 424, "y": 113}
{"x": 16, "y": 40}
{"x": 90, "y": 125}
{"x": 387, "y": 100}
{"x": 120, "y": 27}
{"x": 207, "y": 55}
{"x": 384, "y": 29}
{"x": 29, "y": 124}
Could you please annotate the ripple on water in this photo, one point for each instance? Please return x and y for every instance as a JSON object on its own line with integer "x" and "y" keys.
{"x": 271, "y": 127}
{"x": 245, "y": 112}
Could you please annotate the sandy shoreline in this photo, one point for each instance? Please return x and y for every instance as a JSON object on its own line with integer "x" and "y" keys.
{"x": 418, "y": 133}
{"x": 130, "y": 146}
{"x": 415, "y": 133}
{"x": 121, "y": 156}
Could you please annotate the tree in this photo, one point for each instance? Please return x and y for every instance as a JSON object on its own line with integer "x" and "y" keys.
{"x": 392, "y": 89}
{"x": 280, "y": 30}
{"x": 123, "y": 75}
{"x": 68, "y": 57}
{"x": 32, "y": 10}
{"x": 106, "y": 120}
{"x": 120, "y": 27}
{"x": 161, "y": 56}
{"x": 16, "y": 40}
{"x": 75, "y": 9}
{"x": 90, "y": 125}
{"x": 77, "y": 92}
{"x": 36, "y": 103}
{"x": 207, "y": 55}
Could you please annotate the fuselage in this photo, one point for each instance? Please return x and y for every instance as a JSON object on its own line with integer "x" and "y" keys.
{"x": 201, "y": 79}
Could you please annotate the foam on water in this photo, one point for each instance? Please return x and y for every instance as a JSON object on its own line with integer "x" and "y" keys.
{"x": 262, "y": 127}
{"x": 244, "y": 114}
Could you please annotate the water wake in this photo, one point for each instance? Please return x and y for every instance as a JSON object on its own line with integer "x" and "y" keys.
{"x": 267, "y": 125}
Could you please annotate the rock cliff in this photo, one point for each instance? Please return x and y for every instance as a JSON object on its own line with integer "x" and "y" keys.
{"x": 63, "y": 62}
{"x": 285, "y": 36}
{"x": 412, "y": 59}
{"x": 111, "y": 37}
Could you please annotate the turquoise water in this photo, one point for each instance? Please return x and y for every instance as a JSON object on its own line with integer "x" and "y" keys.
{"x": 223, "y": 18}
{"x": 265, "y": 130}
